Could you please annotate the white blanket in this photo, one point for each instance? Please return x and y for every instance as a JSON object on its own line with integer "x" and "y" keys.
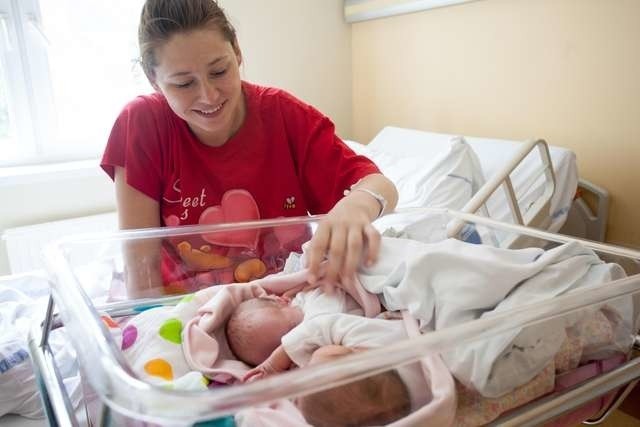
{"x": 452, "y": 282}
{"x": 23, "y": 300}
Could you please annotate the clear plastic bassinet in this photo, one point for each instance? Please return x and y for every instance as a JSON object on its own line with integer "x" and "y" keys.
{"x": 91, "y": 297}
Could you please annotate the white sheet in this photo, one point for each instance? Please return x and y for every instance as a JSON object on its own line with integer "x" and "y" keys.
{"x": 492, "y": 154}
{"x": 23, "y": 300}
{"x": 473, "y": 281}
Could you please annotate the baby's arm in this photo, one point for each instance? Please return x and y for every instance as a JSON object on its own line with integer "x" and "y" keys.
{"x": 278, "y": 361}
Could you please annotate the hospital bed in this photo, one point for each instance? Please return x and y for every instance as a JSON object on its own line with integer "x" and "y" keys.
{"x": 82, "y": 295}
{"x": 524, "y": 182}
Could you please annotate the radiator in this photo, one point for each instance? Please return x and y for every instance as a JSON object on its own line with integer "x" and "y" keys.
{"x": 25, "y": 244}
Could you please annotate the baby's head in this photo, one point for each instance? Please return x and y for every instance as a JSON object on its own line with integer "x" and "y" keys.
{"x": 377, "y": 400}
{"x": 256, "y": 326}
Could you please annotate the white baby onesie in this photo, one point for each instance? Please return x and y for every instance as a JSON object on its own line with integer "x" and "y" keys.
{"x": 317, "y": 301}
{"x": 355, "y": 331}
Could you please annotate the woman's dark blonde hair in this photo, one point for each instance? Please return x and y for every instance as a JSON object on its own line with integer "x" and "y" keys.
{"x": 161, "y": 19}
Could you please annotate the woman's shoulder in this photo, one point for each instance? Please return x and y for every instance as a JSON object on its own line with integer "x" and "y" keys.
{"x": 146, "y": 112}
{"x": 153, "y": 103}
{"x": 275, "y": 99}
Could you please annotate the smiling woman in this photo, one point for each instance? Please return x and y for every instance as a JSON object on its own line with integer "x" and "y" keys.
{"x": 200, "y": 77}
{"x": 243, "y": 151}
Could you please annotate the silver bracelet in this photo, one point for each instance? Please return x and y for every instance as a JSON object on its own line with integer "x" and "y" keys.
{"x": 379, "y": 198}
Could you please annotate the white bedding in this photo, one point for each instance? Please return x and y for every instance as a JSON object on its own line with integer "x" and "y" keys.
{"x": 474, "y": 281}
{"x": 23, "y": 300}
{"x": 418, "y": 147}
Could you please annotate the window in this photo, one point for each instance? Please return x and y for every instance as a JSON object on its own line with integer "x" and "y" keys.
{"x": 67, "y": 67}
{"x": 362, "y": 10}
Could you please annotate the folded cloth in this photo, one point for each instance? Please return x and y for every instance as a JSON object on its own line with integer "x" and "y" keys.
{"x": 451, "y": 282}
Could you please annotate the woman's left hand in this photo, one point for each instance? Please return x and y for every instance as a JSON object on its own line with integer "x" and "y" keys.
{"x": 344, "y": 236}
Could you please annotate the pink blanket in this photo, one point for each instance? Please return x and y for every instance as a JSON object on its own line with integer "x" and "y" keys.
{"x": 204, "y": 342}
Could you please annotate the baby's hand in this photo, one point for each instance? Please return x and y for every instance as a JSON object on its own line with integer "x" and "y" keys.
{"x": 278, "y": 361}
{"x": 254, "y": 374}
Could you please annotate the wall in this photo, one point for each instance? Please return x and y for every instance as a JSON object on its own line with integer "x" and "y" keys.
{"x": 303, "y": 47}
{"x": 564, "y": 70}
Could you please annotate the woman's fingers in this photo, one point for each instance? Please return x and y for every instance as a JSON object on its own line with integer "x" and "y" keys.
{"x": 318, "y": 250}
{"x": 373, "y": 244}
{"x": 353, "y": 254}
{"x": 337, "y": 252}
{"x": 342, "y": 242}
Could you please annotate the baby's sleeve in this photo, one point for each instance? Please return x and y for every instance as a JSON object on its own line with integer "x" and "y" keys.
{"x": 317, "y": 302}
{"x": 300, "y": 342}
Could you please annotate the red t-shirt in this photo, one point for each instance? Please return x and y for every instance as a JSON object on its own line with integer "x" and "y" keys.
{"x": 285, "y": 160}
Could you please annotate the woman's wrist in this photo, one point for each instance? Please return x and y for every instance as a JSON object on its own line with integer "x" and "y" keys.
{"x": 365, "y": 201}
{"x": 373, "y": 199}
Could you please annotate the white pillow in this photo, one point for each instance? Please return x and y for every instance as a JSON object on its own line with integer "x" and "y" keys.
{"x": 448, "y": 180}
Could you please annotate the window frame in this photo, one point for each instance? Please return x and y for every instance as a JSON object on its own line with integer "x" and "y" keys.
{"x": 20, "y": 100}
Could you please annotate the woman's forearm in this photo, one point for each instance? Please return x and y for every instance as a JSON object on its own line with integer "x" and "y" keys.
{"x": 141, "y": 255}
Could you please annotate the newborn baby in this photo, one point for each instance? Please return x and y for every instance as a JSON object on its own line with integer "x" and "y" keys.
{"x": 376, "y": 400}
{"x": 256, "y": 326}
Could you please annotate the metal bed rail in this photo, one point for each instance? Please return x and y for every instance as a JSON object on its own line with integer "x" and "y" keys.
{"x": 535, "y": 214}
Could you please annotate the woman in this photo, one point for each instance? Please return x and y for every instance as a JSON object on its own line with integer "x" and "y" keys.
{"x": 207, "y": 142}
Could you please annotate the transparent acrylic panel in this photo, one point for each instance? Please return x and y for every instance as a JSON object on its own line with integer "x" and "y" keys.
{"x": 458, "y": 320}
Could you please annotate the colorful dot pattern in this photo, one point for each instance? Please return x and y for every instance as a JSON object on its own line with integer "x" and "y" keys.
{"x": 170, "y": 330}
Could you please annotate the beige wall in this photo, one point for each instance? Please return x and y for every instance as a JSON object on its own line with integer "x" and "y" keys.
{"x": 302, "y": 46}
{"x": 564, "y": 70}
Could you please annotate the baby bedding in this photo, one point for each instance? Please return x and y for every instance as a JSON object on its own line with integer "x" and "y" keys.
{"x": 473, "y": 281}
{"x": 181, "y": 345}
{"x": 23, "y": 299}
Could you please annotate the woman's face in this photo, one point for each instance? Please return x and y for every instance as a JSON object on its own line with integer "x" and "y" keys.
{"x": 198, "y": 73}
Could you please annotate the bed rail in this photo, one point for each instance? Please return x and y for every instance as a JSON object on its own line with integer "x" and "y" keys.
{"x": 536, "y": 215}
{"x": 55, "y": 399}
{"x": 582, "y": 219}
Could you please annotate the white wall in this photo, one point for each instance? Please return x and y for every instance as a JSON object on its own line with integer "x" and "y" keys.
{"x": 301, "y": 46}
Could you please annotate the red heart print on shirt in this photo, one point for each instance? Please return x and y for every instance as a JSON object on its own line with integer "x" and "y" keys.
{"x": 235, "y": 206}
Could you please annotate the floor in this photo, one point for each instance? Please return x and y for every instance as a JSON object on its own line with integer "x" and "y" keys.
{"x": 620, "y": 419}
